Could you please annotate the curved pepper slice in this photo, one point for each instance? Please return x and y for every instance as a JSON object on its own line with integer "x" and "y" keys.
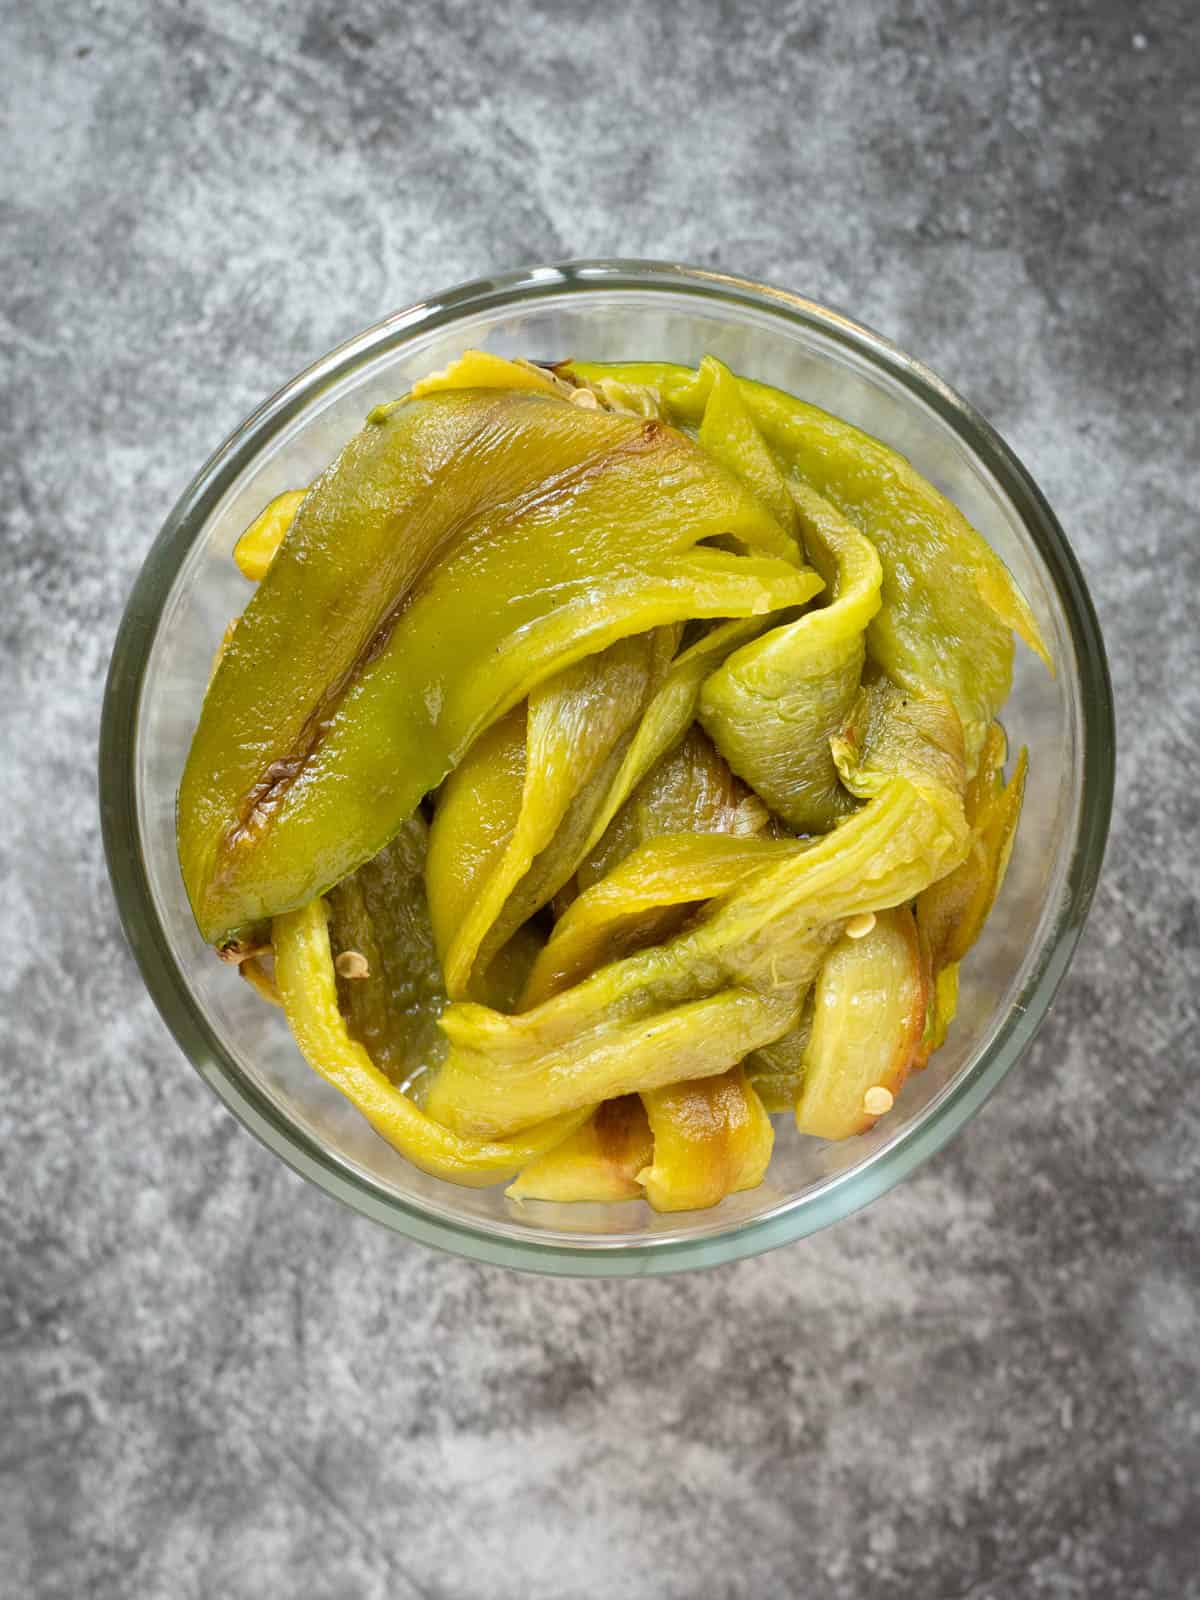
{"x": 599, "y": 1163}
{"x": 257, "y": 547}
{"x": 868, "y": 1016}
{"x": 643, "y": 900}
{"x": 487, "y": 831}
{"x": 730, "y": 435}
{"x": 771, "y": 707}
{"x": 953, "y": 911}
{"x": 711, "y": 1138}
{"x": 484, "y": 791}
{"x": 950, "y": 605}
{"x": 481, "y": 369}
{"x": 504, "y": 1073}
{"x": 381, "y": 913}
{"x": 461, "y": 549}
{"x": 548, "y": 879}
{"x": 305, "y": 975}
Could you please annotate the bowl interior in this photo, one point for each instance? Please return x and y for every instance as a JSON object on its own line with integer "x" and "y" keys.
{"x": 816, "y": 356}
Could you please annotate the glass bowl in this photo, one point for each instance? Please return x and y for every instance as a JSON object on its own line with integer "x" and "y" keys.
{"x": 605, "y": 310}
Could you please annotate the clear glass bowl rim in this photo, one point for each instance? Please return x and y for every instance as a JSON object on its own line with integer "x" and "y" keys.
{"x": 794, "y": 1219}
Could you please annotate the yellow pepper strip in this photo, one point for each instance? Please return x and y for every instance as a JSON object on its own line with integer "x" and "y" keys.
{"x": 255, "y": 550}
{"x": 599, "y": 1163}
{"x": 643, "y": 900}
{"x": 943, "y": 1008}
{"x": 551, "y": 872}
{"x": 868, "y": 1016}
{"x": 730, "y": 435}
{"x": 771, "y": 707}
{"x": 481, "y": 369}
{"x": 995, "y": 828}
{"x": 474, "y": 817}
{"x": 260, "y": 980}
{"x": 951, "y": 913}
{"x": 305, "y": 975}
{"x": 944, "y": 907}
{"x": 711, "y": 1138}
{"x": 570, "y": 727}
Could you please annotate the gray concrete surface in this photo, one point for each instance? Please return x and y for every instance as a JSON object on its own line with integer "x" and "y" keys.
{"x": 216, "y": 1382}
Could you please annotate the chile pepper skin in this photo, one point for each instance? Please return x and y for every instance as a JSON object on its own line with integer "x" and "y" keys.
{"x": 464, "y": 546}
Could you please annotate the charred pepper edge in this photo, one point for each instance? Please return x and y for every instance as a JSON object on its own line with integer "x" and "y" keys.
{"x": 263, "y": 799}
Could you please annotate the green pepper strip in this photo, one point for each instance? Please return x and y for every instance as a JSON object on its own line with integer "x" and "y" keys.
{"x": 730, "y": 435}
{"x": 381, "y": 912}
{"x": 668, "y": 716}
{"x": 771, "y": 708}
{"x": 950, "y": 605}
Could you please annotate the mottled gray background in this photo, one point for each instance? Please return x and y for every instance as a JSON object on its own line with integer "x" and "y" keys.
{"x": 215, "y": 1381}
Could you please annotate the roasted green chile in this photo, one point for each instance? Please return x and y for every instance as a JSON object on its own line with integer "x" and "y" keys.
{"x": 608, "y": 759}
